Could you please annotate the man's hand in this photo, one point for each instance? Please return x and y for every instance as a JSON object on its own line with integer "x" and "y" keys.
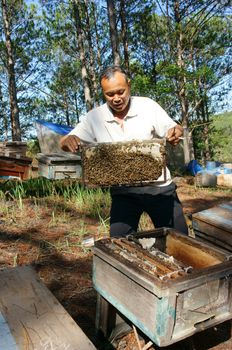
{"x": 70, "y": 143}
{"x": 174, "y": 134}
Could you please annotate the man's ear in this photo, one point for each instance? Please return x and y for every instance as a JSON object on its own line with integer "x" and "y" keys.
{"x": 129, "y": 82}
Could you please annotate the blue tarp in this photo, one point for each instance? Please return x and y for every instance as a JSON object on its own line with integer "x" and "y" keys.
{"x": 213, "y": 168}
{"x": 194, "y": 167}
{"x": 58, "y": 128}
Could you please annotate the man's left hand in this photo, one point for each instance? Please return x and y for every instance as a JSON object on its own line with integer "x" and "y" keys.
{"x": 174, "y": 134}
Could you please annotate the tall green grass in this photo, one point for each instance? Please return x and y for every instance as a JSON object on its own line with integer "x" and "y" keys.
{"x": 63, "y": 196}
{"x": 93, "y": 202}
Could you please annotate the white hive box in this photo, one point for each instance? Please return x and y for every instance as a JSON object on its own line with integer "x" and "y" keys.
{"x": 59, "y": 166}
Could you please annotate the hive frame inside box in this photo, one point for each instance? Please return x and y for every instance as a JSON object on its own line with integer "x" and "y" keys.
{"x": 165, "y": 311}
{"x": 89, "y": 147}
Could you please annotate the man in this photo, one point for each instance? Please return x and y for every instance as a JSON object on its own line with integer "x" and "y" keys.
{"x": 126, "y": 118}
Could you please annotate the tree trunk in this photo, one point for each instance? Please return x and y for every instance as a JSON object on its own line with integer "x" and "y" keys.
{"x": 205, "y": 119}
{"x": 65, "y": 104}
{"x": 76, "y": 108}
{"x": 14, "y": 110}
{"x": 97, "y": 36}
{"x": 3, "y": 117}
{"x": 91, "y": 55}
{"x": 124, "y": 35}
{"x": 113, "y": 32}
{"x": 80, "y": 40}
{"x": 188, "y": 144}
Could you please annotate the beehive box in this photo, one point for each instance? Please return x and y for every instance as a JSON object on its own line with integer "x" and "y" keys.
{"x": 59, "y": 166}
{"x": 123, "y": 163}
{"x": 15, "y": 149}
{"x": 15, "y": 167}
{"x": 183, "y": 289}
{"x": 224, "y": 180}
{"x": 205, "y": 180}
{"x": 215, "y": 225}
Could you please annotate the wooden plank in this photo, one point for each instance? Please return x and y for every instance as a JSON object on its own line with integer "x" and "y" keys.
{"x": 105, "y": 316}
{"x": 35, "y": 318}
{"x": 7, "y": 340}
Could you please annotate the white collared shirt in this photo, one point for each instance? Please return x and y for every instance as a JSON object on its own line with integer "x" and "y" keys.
{"x": 145, "y": 120}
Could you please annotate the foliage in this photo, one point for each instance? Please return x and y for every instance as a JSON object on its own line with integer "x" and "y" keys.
{"x": 33, "y": 148}
{"x": 220, "y": 137}
{"x": 179, "y": 55}
{"x": 28, "y": 48}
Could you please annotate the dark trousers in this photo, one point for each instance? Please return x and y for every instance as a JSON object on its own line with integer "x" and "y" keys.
{"x": 161, "y": 204}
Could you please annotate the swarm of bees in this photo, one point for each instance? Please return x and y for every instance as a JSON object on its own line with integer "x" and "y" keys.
{"x": 121, "y": 164}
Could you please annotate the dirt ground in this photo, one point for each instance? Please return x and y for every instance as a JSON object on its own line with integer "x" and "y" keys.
{"x": 32, "y": 236}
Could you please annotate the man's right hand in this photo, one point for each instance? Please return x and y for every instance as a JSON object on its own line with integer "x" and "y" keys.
{"x": 70, "y": 143}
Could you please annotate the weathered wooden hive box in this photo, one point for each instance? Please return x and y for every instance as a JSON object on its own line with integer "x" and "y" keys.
{"x": 123, "y": 163}
{"x": 13, "y": 160}
{"x": 59, "y": 166}
{"x": 215, "y": 225}
{"x": 15, "y": 166}
{"x": 171, "y": 289}
{"x": 15, "y": 149}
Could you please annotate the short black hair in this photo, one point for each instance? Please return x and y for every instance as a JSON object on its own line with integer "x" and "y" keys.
{"x": 110, "y": 71}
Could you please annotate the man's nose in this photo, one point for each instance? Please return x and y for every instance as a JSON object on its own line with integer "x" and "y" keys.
{"x": 116, "y": 97}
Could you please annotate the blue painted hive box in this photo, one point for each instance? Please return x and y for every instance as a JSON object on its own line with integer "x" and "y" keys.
{"x": 168, "y": 285}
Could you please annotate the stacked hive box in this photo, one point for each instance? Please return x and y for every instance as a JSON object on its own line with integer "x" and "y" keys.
{"x": 14, "y": 162}
{"x": 59, "y": 166}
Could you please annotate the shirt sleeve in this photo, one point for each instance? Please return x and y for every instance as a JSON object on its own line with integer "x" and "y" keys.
{"x": 161, "y": 120}
{"x": 84, "y": 130}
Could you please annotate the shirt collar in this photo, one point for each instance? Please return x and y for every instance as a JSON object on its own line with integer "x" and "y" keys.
{"x": 131, "y": 112}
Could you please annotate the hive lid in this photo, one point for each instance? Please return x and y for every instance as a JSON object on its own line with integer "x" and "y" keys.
{"x": 219, "y": 216}
{"x": 215, "y": 224}
{"x": 124, "y": 163}
{"x": 57, "y": 158}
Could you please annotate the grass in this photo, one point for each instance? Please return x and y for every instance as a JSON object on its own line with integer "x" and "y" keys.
{"x": 59, "y": 215}
{"x": 58, "y": 203}
{"x": 92, "y": 202}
